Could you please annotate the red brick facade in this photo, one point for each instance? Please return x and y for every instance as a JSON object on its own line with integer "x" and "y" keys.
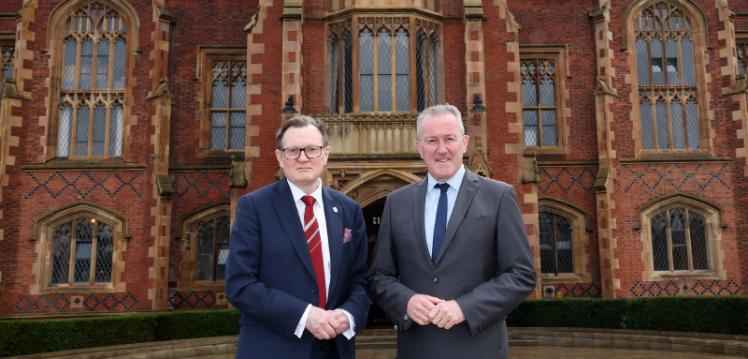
{"x": 167, "y": 175}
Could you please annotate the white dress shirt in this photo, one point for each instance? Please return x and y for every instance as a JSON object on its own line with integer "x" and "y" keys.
{"x": 319, "y": 214}
{"x": 432, "y": 202}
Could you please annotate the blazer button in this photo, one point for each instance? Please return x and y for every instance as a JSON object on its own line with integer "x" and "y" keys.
{"x": 436, "y": 279}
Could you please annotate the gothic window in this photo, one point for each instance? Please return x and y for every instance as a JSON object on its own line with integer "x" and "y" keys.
{"x": 92, "y": 83}
{"x": 209, "y": 237}
{"x": 679, "y": 240}
{"x": 383, "y": 64}
{"x": 7, "y": 55}
{"x": 556, "y": 255}
{"x": 82, "y": 249}
{"x": 227, "y": 102}
{"x": 742, "y": 47}
{"x": 539, "y": 104}
{"x": 667, "y": 83}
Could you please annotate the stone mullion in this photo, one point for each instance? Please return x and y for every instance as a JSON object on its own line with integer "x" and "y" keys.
{"x": 604, "y": 183}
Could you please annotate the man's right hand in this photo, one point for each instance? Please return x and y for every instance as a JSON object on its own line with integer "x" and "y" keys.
{"x": 419, "y": 307}
{"x": 318, "y": 323}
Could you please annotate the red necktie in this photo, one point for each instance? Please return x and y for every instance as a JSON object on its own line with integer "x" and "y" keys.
{"x": 314, "y": 244}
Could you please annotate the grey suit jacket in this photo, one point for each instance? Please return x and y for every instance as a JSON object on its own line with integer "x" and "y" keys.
{"x": 485, "y": 264}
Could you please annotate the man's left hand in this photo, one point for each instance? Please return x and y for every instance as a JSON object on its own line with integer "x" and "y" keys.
{"x": 447, "y": 314}
{"x": 339, "y": 321}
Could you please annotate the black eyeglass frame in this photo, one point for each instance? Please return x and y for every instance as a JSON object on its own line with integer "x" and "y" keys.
{"x": 287, "y": 150}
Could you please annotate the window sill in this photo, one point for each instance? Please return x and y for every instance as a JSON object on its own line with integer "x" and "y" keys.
{"x": 214, "y": 286}
{"x": 79, "y": 289}
{"x": 223, "y": 157}
{"x": 682, "y": 276}
{"x": 648, "y": 156}
{"x": 72, "y": 164}
{"x": 540, "y": 151}
{"x": 566, "y": 278}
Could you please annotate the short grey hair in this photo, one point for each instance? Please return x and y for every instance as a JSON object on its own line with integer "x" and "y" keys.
{"x": 439, "y": 110}
{"x": 300, "y": 121}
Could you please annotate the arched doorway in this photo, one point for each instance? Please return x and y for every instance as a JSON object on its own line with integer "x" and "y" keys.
{"x": 373, "y": 216}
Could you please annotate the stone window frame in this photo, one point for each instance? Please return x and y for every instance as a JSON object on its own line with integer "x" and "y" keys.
{"x": 206, "y": 56}
{"x": 713, "y": 217}
{"x": 700, "y": 36}
{"x": 580, "y": 234}
{"x": 559, "y": 53}
{"x": 55, "y": 43}
{"x": 190, "y": 224}
{"x": 43, "y": 235}
{"x": 431, "y": 25}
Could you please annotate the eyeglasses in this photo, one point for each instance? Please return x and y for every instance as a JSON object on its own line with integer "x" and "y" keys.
{"x": 293, "y": 153}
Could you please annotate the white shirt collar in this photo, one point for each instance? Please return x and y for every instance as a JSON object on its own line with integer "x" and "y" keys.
{"x": 455, "y": 181}
{"x": 297, "y": 193}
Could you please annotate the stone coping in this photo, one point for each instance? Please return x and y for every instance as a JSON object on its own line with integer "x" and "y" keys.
{"x": 385, "y": 338}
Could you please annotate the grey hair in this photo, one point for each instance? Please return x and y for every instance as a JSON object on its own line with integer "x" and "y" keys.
{"x": 439, "y": 110}
{"x": 300, "y": 121}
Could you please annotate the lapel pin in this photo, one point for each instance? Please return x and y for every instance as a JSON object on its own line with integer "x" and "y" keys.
{"x": 335, "y": 209}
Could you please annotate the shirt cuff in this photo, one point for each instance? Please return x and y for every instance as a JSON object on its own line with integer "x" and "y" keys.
{"x": 351, "y": 331}
{"x": 302, "y": 322}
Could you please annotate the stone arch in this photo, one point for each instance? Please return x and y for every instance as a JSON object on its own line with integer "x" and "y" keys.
{"x": 377, "y": 184}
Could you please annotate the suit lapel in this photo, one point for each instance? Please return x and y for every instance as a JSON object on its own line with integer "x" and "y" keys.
{"x": 334, "y": 219}
{"x": 419, "y": 203}
{"x": 288, "y": 217}
{"x": 465, "y": 195}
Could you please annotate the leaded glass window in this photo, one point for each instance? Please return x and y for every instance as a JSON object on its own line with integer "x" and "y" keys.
{"x": 82, "y": 250}
{"x": 228, "y": 99}
{"x": 7, "y": 56}
{"x": 212, "y": 239}
{"x": 665, "y": 70}
{"x": 92, "y": 88}
{"x": 556, "y": 254}
{"x": 742, "y": 48}
{"x": 679, "y": 240}
{"x": 383, "y": 64}
{"x": 539, "y": 109}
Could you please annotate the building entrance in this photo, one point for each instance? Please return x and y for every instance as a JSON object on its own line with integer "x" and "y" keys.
{"x": 373, "y": 216}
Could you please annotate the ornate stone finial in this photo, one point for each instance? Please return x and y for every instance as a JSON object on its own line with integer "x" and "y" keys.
{"x": 479, "y": 161}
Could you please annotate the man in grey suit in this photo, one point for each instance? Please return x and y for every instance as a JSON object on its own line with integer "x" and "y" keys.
{"x": 452, "y": 257}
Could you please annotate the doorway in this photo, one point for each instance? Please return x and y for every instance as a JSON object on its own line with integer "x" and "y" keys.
{"x": 373, "y": 217}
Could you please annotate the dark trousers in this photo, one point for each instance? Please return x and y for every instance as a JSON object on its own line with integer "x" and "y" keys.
{"x": 324, "y": 349}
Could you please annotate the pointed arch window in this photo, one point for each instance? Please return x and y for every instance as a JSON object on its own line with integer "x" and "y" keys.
{"x": 7, "y": 56}
{"x": 742, "y": 47}
{"x": 209, "y": 233}
{"x": 556, "y": 244}
{"x": 679, "y": 240}
{"x": 667, "y": 82}
{"x": 383, "y": 64}
{"x": 92, "y": 83}
{"x": 80, "y": 247}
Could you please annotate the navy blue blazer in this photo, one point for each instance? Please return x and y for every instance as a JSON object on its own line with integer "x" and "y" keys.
{"x": 269, "y": 273}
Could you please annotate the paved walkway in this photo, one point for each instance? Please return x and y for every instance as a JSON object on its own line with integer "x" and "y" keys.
{"x": 551, "y": 352}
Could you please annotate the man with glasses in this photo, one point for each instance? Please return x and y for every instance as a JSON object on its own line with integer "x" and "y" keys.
{"x": 297, "y": 261}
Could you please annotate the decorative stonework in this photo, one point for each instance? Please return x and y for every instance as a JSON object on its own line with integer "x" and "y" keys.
{"x": 161, "y": 211}
{"x": 370, "y": 181}
{"x": 605, "y": 199}
{"x": 8, "y": 104}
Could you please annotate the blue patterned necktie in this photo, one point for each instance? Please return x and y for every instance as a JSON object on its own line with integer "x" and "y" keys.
{"x": 440, "y": 225}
